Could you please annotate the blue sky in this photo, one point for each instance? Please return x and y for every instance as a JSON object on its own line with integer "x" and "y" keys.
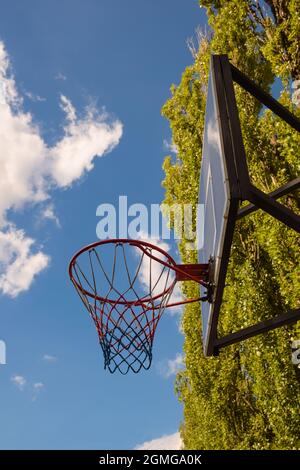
{"x": 67, "y": 61}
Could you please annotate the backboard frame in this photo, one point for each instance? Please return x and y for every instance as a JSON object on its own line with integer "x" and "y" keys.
{"x": 223, "y": 75}
{"x": 238, "y": 184}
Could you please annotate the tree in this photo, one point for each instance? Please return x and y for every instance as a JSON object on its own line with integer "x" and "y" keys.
{"x": 248, "y": 397}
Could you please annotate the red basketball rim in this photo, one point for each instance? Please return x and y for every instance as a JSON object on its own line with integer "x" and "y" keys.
{"x": 138, "y": 243}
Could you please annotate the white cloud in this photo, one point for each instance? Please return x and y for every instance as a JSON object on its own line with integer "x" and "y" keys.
{"x": 68, "y": 108}
{"x": 33, "y": 97}
{"x": 170, "y": 367}
{"x": 167, "y": 442}
{"x": 60, "y": 76}
{"x": 18, "y": 264}
{"x": 49, "y": 358}
{"x": 170, "y": 146}
{"x": 38, "y": 386}
{"x": 19, "y": 381}
{"x": 30, "y": 169}
{"x": 48, "y": 212}
{"x": 84, "y": 138}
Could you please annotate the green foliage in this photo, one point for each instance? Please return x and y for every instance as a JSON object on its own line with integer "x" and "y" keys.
{"x": 271, "y": 28}
{"x": 248, "y": 397}
{"x": 282, "y": 32}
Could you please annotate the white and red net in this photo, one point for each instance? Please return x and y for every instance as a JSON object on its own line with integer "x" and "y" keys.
{"x": 125, "y": 285}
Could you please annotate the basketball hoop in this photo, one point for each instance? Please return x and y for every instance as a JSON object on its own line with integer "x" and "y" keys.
{"x": 126, "y": 290}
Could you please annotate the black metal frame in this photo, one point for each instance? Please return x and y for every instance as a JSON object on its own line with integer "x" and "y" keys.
{"x": 242, "y": 189}
{"x": 219, "y": 275}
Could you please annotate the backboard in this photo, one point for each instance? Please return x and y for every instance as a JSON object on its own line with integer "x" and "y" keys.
{"x": 224, "y": 183}
{"x": 219, "y": 193}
